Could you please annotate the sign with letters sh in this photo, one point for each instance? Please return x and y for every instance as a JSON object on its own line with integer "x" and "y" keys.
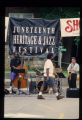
{"x": 70, "y": 27}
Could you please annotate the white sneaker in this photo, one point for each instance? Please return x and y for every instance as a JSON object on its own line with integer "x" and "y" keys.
{"x": 18, "y": 92}
{"x": 10, "y": 89}
{"x": 50, "y": 91}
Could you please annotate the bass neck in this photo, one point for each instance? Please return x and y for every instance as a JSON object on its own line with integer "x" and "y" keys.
{"x": 22, "y": 60}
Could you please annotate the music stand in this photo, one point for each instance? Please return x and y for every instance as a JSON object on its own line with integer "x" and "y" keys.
{"x": 61, "y": 75}
{"x": 19, "y": 70}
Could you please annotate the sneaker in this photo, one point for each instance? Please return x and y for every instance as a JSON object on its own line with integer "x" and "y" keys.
{"x": 10, "y": 91}
{"x": 59, "y": 97}
{"x": 18, "y": 92}
{"x": 40, "y": 97}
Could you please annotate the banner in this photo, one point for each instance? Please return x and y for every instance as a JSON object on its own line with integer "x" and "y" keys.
{"x": 36, "y": 36}
{"x": 6, "y": 27}
{"x": 70, "y": 27}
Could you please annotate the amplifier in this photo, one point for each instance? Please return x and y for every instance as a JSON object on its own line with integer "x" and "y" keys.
{"x": 32, "y": 86}
{"x": 72, "y": 93}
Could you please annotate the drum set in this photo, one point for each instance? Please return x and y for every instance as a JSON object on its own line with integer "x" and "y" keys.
{"x": 39, "y": 81}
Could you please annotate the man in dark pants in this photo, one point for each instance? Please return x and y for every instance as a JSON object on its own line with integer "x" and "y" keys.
{"x": 72, "y": 69}
{"x": 13, "y": 64}
{"x": 48, "y": 77}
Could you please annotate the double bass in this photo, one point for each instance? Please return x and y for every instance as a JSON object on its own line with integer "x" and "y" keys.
{"x": 20, "y": 80}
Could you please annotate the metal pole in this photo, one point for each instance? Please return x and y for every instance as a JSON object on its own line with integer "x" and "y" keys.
{"x": 60, "y": 58}
{"x": 27, "y": 77}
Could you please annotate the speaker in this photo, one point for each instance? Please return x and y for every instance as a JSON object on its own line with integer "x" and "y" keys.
{"x": 32, "y": 86}
{"x": 72, "y": 93}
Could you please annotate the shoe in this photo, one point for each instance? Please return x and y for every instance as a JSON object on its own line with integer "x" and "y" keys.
{"x": 18, "y": 92}
{"x": 40, "y": 97}
{"x": 59, "y": 97}
{"x": 10, "y": 91}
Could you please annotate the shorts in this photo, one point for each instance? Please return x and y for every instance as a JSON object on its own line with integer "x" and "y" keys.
{"x": 50, "y": 82}
{"x": 13, "y": 75}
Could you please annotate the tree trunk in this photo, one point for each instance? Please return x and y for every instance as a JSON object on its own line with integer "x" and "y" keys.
{"x": 67, "y": 43}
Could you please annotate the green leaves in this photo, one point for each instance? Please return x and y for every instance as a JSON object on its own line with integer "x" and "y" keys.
{"x": 77, "y": 40}
{"x": 58, "y": 12}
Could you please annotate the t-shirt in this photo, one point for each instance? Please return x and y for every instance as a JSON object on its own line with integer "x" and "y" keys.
{"x": 14, "y": 62}
{"x": 74, "y": 66}
{"x": 48, "y": 64}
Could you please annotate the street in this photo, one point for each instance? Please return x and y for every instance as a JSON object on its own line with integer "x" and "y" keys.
{"x": 28, "y": 106}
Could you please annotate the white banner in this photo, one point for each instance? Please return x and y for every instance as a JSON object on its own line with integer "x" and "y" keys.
{"x": 6, "y": 27}
{"x": 70, "y": 27}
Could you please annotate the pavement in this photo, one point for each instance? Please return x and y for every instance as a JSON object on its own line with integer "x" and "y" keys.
{"x": 28, "y": 106}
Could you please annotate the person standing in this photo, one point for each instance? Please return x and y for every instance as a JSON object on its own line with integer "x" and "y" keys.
{"x": 72, "y": 69}
{"x": 13, "y": 64}
{"x": 48, "y": 77}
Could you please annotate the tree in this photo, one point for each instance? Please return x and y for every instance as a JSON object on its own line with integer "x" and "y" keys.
{"x": 58, "y": 13}
{"x": 77, "y": 40}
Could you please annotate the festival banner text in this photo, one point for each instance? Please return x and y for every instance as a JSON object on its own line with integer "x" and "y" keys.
{"x": 36, "y": 36}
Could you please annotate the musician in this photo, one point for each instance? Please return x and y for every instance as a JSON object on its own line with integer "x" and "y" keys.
{"x": 13, "y": 64}
{"x": 48, "y": 77}
{"x": 72, "y": 69}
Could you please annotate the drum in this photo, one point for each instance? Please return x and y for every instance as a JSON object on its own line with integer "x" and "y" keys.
{"x": 39, "y": 84}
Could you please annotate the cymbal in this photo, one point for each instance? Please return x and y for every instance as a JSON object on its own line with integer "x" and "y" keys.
{"x": 57, "y": 70}
{"x": 38, "y": 72}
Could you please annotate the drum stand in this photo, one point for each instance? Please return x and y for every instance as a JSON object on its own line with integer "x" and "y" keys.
{"x": 59, "y": 83}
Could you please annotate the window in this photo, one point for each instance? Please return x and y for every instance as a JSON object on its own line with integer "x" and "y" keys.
{"x": 18, "y": 15}
{"x": 21, "y": 15}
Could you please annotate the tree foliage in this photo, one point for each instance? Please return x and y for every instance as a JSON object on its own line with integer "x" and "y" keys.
{"x": 77, "y": 40}
{"x": 58, "y": 13}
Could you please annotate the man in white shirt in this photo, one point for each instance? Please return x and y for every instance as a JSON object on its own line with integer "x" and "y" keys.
{"x": 72, "y": 69}
{"x": 48, "y": 77}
